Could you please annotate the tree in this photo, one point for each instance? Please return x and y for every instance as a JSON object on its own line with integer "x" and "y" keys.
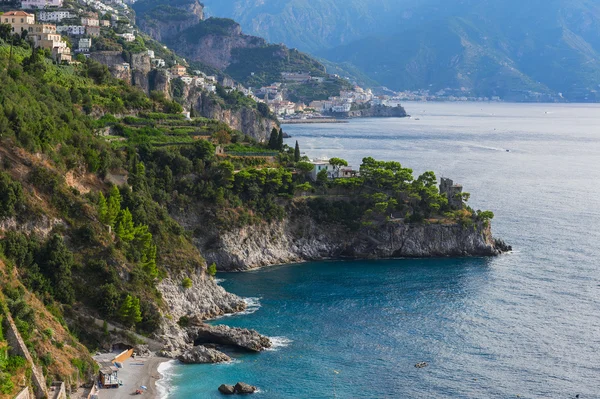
{"x": 337, "y": 164}
{"x": 56, "y": 264}
{"x": 322, "y": 177}
{"x": 114, "y": 206}
{"x": 222, "y": 137}
{"x": 124, "y": 226}
{"x": 103, "y": 209}
{"x": 280, "y": 140}
{"x": 130, "y": 312}
{"x": 297, "y": 152}
{"x": 108, "y": 299}
{"x": 273, "y": 139}
{"x": 11, "y": 195}
{"x": 192, "y": 113}
{"x": 304, "y": 188}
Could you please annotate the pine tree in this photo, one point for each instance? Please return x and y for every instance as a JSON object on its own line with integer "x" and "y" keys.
{"x": 125, "y": 229}
{"x": 280, "y": 140}
{"x": 130, "y": 312}
{"x": 114, "y": 206}
{"x": 297, "y": 152}
{"x": 103, "y": 209}
{"x": 273, "y": 139}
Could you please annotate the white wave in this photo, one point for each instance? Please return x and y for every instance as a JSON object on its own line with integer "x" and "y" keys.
{"x": 219, "y": 280}
{"x": 252, "y": 305}
{"x": 166, "y": 371}
{"x": 279, "y": 342}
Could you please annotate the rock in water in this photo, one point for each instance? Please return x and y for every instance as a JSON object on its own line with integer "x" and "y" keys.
{"x": 243, "y": 388}
{"x": 421, "y": 365}
{"x": 227, "y": 389}
{"x": 239, "y": 337}
{"x": 201, "y": 355}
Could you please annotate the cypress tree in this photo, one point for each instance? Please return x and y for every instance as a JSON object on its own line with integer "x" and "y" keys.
{"x": 280, "y": 140}
{"x": 297, "y": 152}
{"x": 273, "y": 139}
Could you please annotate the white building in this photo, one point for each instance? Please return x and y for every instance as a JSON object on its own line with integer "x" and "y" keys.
{"x": 187, "y": 79}
{"x": 54, "y": 16}
{"x": 90, "y": 21}
{"x": 341, "y": 108}
{"x": 129, "y": 37}
{"x": 158, "y": 62}
{"x": 72, "y": 30}
{"x": 30, "y": 4}
{"x": 84, "y": 45}
{"x": 319, "y": 165}
{"x": 151, "y": 53}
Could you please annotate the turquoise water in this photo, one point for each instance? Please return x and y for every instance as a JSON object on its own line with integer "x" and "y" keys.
{"x": 526, "y": 324}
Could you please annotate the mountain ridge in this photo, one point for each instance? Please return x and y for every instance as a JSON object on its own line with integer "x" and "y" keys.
{"x": 520, "y": 51}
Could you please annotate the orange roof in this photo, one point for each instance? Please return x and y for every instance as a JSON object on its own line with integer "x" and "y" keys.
{"x": 17, "y": 14}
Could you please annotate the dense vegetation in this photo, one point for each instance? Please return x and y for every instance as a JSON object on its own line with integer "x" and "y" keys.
{"x": 85, "y": 245}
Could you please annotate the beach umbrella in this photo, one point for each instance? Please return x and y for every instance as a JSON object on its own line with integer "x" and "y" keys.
{"x": 143, "y": 387}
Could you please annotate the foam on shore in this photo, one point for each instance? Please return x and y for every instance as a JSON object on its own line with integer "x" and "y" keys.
{"x": 167, "y": 372}
{"x": 278, "y": 343}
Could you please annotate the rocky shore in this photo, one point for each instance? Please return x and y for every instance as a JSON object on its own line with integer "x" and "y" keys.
{"x": 300, "y": 238}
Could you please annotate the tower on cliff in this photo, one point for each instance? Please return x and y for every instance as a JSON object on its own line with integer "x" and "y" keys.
{"x": 453, "y": 192}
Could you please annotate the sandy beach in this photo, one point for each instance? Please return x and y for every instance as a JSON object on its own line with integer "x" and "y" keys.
{"x": 141, "y": 371}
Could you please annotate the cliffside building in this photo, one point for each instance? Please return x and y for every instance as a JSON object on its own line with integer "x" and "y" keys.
{"x": 453, "y": 192}
{"x": 42, "y": 35}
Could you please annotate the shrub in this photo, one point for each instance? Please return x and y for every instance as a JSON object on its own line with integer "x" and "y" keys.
{"x": 212, "y": 269}
{"x": 187, "y": 283}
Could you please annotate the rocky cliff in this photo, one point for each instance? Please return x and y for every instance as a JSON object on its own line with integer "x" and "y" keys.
{"x": 135, "y": 69}
{"x": 301, "y": 238}
{"x": 214, "y": 47}
{"x": 203, "y": 300}
{"x": 164, "y": 21}
{"x": 247, "y": 120}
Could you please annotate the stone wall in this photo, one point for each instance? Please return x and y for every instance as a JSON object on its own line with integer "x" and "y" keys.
{"x": 24, "y": 394}
{"x": 58, "y": 390}
{"x": 18, "y": 347}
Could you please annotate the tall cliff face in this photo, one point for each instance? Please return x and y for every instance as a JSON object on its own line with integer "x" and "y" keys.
{"x": 247, "y": 120}
{"x": 301, "y": 238}
{"x": 139, "y": 72}
{"x": 213, "y": 42}
{"x": 164, "y": 21}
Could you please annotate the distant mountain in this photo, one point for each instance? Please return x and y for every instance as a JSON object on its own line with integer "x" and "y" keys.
{"x": 218, "y": 44}
{"x": 518, "y": 50}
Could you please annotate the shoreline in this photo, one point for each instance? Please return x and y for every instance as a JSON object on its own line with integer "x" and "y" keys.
{"x": 311, "y": 121}
{"x": 141, "y": 371}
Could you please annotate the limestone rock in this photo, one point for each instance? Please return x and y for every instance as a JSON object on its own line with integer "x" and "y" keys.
{"x": 227, "y": 389}
{"x": 202, "y": 355}
{"x": 238, "y": 337}
{"x": 243, "y": 388}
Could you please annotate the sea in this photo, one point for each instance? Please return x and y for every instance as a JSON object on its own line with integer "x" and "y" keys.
{"x": 521, "y": 325}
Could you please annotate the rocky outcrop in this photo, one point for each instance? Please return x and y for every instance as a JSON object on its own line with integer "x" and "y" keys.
{"x": 300, "y": 238}
{"x": 202, "y": 355}
{"x": 231, "y": 336}
{"x": 247, "y": 120}
{"x": 134, "y": 69}
{"x": 376, "y": 111}
{"x": 169, "y": 19}
{"x": 242, "y": 388}
{"x": 203, "y": 300}
{"x": 214, "y": 42}
{"x": 227, "y": 389}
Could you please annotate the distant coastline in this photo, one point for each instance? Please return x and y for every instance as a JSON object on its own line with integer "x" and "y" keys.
{"x": 309, "y": 121}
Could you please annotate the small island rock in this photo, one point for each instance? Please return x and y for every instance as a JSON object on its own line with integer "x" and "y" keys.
{"x": 238, "y": 337}
{"x": 227, "y": 389}
{"x": 243, "y": 388}
{"x": 202, "y": 355}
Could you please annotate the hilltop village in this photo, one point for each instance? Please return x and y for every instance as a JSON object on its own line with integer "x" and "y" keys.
{"x": 102, "y": 30}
